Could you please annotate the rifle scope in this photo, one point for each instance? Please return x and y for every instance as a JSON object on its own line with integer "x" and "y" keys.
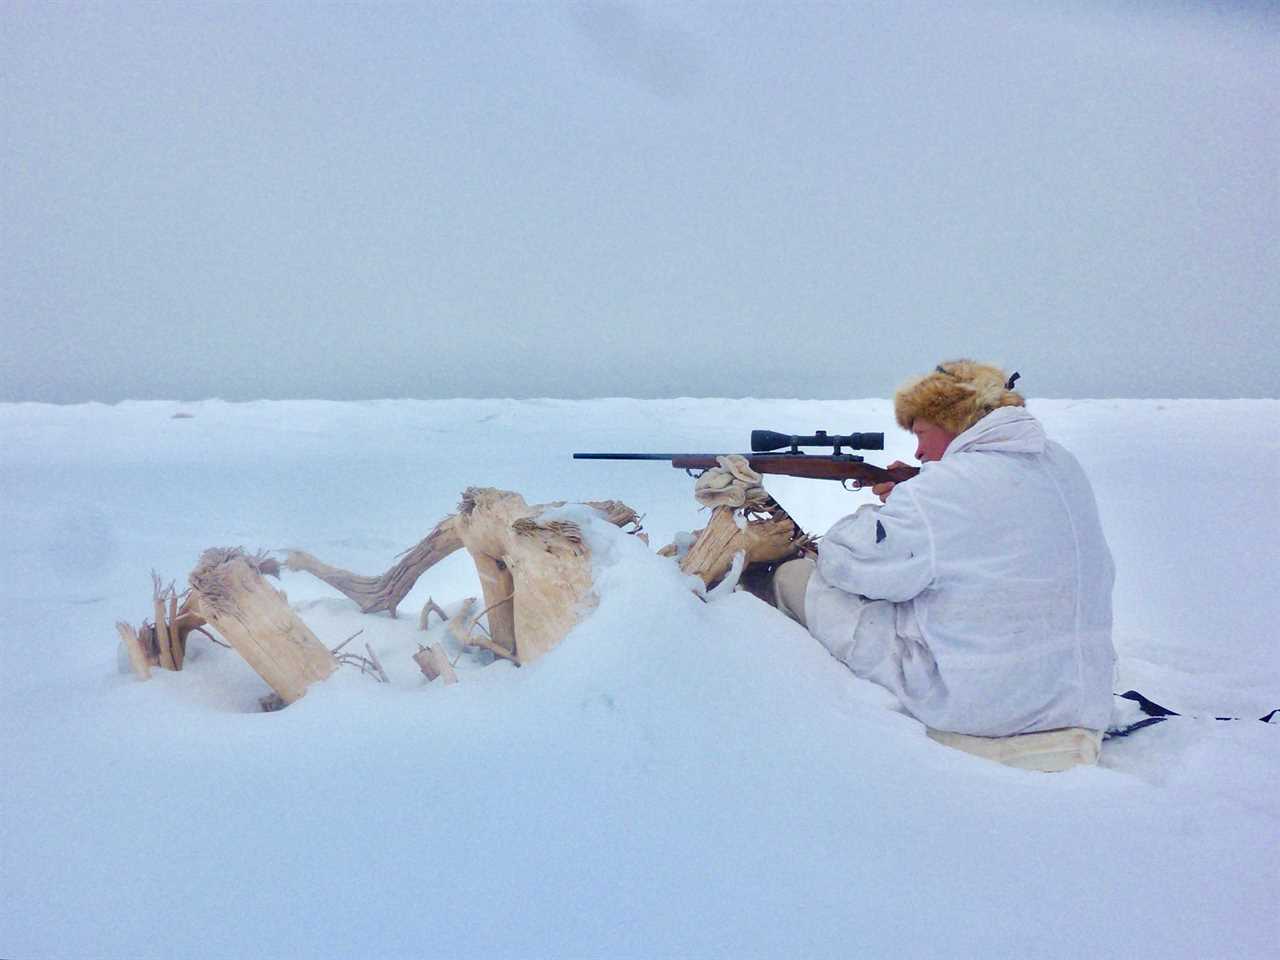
{"x": 765, "y": 440}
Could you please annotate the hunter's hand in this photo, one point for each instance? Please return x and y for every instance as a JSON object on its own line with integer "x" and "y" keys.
{"x": 882, "y": 490}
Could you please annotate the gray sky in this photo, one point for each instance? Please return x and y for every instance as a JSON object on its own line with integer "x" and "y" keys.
{"x": 548, "y": 199}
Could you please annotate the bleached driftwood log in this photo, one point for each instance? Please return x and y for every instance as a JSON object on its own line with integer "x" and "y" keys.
{"x": 765, "y": 537}
{"x": 535, "y": 572}
{"x": 373, "y": 594}
{"x": 229, "y": 592}
{"x": 744, "y": 520}
{"x": 535, "y": 575}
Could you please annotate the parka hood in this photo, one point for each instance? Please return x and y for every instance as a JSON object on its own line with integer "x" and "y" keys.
{"x": 1006, "y": 430}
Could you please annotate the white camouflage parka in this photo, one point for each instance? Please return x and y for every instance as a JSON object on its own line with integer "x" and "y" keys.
{"x": 980, "y": 592}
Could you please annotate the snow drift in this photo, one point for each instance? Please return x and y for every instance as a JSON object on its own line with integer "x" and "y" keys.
{"x": 676, "y": 778}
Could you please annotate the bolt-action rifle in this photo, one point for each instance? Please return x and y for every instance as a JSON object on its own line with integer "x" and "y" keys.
{"x": 768, "y": 457}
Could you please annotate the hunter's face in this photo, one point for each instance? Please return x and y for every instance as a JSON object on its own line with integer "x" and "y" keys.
{"x": 931, "y": 440}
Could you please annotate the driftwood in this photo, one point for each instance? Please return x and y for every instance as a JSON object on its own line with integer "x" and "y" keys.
{"x": 535, "y": 571}
{"x": 433, "y": 663}
{"x": 749, "y": 532}
{"x": 229, "y": 592}
{"x": 162, "y": 643}
{"x": 170, "y": 647}
{"x": 374, "y": 594}
{"x": 535, "y": 574}
{"x": 766, "y": 536}
{"x": 138, "y": 654}
{"x": 430, "y": 607}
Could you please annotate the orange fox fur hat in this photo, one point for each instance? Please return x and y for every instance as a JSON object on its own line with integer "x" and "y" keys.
{"x": 955, "y": 396}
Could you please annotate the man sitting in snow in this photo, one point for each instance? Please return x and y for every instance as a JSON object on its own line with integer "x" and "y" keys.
{"x": 980, "y": 592}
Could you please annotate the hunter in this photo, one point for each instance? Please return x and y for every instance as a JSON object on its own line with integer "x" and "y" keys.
{"x": 980, "y": 591}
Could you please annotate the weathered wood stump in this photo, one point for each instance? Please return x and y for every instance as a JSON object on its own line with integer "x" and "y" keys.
{"x": 535, "y": 574}
{"x": 229, "y": 592}
{"x": 745, "y": 520}
{"x": 765, "y": 538}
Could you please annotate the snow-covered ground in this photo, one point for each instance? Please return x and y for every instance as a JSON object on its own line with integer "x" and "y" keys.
{"x": 676, "y": 779}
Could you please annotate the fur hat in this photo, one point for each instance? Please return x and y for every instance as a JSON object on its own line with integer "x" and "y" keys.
{"x": 955, "y": 396}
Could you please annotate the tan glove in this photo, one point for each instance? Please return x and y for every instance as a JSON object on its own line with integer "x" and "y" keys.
{"x": 732, "y": 484}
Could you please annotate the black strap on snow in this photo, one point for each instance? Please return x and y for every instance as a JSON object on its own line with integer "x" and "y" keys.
{"x": 1149, "y": 707}
{"x": 1158, "y": 714}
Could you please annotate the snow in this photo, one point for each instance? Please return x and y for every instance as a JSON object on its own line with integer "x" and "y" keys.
{"x": 678, "y": 778}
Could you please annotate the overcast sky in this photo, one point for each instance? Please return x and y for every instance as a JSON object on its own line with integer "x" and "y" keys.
{"x": 551, "y": 199}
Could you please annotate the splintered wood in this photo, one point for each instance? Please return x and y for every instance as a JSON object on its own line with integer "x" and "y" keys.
{"x": 433, "y": 663}
{"x": 139, "y": 657}
{"x": 535, "y": 572}
{"x": 228, "y": 590}
{"x": 162, "y": 643}
{"x": 766, "y": 536}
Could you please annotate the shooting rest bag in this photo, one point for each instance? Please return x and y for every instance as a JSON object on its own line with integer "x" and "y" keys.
{"x": 732, "y": 484}
{"x": 1050, "y": 751}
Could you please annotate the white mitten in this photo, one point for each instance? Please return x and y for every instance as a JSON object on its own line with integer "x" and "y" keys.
{"x": 732, "y": 484}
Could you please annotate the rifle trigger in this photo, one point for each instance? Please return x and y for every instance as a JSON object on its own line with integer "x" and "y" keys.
{"x": 695, "y": 474}
{"x": 856, "y": 485}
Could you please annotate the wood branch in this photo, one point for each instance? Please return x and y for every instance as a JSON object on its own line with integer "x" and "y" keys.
{"x": 768, "y": 537}
{"x": 137, "y": 655}
{"x": 433, "y": 663}
{"x": 487, "y": 611}
{"x": 459, "y": 625}
{"x": 339, "y": 647}
{"x": 377, "y": 665}
{"x": 164, "y": 642}
{"x": 185, "y": 620}
{"x": 374, "y": 594}
{"x": 210, "y": 637}
{"x": 430, "y": 607}
{"x": 229, "y": 592}
{"x": 177, "y": 639}
{"x": 498, "y": 587}
{"x": 498, "y": 651}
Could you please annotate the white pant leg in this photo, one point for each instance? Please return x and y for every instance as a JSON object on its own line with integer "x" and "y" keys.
{"x": 790, "y": 581}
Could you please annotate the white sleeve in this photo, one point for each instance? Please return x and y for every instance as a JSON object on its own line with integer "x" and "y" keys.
{"x": 884, "y": 553}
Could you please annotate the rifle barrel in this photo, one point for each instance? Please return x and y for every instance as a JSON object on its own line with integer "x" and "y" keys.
{"x": 626, "y": 456}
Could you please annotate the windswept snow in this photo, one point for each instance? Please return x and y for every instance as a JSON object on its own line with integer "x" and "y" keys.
{"x": 678, "y": 778}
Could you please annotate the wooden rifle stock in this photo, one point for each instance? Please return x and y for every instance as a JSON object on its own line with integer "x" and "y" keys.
{"x": 813, "y": 467}
{"x": 839, "y": 467}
